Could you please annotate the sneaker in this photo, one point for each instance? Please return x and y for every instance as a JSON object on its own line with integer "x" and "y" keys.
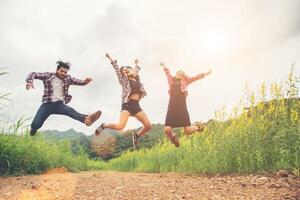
{"x": 32, "y": 132}
{"x": 135, "y": 138}
{"x": 175, "y": 141}
{"x": 92, "y": 118}
{"x": 200, "y": 125}
{"x": 99, "y": 130}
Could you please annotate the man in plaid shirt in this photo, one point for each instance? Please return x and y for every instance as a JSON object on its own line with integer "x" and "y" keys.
{"x": 56, "y": 96}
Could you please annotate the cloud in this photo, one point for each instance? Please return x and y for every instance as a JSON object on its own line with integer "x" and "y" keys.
{"x": 236, "y": 38}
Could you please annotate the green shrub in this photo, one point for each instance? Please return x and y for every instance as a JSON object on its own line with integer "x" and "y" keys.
{"x": 260, "y": 135}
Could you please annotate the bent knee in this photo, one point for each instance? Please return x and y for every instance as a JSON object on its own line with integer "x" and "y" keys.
{"x": 36, "y": 125}
{"x": 148, "y": 127}
{"x": 167, "y": 129}
{"x": 186, "y": 130}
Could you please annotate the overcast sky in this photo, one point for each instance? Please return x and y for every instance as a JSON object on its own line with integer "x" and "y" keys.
{"x": 241, "y": 40}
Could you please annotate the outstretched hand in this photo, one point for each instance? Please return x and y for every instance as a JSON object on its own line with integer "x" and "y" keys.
{"x": 162, "y": 64}
{"x": 29, "y": 85}
{"x": 108, "y": 56}
{"x": 136, "y": 62}
{"x": 88, "y": 80}
{"x": 209, "y": 72}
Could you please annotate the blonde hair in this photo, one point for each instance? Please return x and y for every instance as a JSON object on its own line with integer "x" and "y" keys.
{"x": 180, "y": 72}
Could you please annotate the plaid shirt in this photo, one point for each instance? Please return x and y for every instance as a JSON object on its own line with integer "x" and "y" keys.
{"x": 123, "y": 80}
{"x": 184, "y": 82}
{"x": 48, "y": 90}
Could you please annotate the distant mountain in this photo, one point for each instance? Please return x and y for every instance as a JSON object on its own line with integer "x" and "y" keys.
{"x": 110, "y": 143}
{"x": 70, "y": 134}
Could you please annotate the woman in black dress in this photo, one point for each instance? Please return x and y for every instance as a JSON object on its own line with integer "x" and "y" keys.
{"x": 177, "y": 114}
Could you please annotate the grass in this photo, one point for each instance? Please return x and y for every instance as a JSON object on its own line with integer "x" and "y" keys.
{"x": 260, "y": 135}
{"x": 23, "y": 154}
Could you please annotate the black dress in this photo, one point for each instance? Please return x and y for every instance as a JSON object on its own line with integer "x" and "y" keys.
{"x": 177, "y": 115}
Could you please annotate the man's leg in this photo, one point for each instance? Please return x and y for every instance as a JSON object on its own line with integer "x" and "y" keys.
{"x": 63, "y": 109}
{"x": 42, "y": 114}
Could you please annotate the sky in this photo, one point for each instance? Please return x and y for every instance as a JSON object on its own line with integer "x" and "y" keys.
{"x": 240, "y": 40}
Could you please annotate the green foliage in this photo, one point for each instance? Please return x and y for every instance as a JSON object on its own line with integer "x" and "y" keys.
{"x": 260, "y": 135}
{"x": 26, "y": 154}
{"x": 1, "y": 71}
{"x": 23, "y": 154}
{"x": 111, "y": 144}
{"x": 3, "y": 96}
{"x": 70, "y": 134}
{"x": 150, "y": 139}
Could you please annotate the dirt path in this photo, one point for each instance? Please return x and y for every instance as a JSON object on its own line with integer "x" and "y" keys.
{"x": 117, "y": 185}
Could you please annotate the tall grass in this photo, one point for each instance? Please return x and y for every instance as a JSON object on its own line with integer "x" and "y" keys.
{"x": 3, "y": 96}
{"x": 23, "y": 154}
{"x": 262, "y": 134}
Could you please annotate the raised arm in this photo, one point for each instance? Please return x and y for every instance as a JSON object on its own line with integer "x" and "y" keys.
{"x": 116, "y": 67}
{"x": 109, "y": 57}
{"x": 198, "y": 77}
{"x": 35, "y": 75}
{"x": 137, "y": 67}
{"x": 167, "y": 72}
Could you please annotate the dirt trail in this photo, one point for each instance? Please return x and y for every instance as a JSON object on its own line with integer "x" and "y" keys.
{"x": 117, "y": 185}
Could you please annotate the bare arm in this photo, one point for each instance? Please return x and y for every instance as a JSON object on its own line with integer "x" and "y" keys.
{"x": 199, "y": 76}
{"x": 109, "y": 57}
{"x": 167, "y": 72}
{"x": 137, "y": 67}
{"x": 116, "y": 67}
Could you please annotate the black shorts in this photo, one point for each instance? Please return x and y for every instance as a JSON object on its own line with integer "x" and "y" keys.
{"x": 132, "y": 106}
